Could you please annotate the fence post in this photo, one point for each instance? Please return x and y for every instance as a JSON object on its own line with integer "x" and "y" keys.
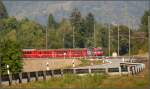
{"x": 74, "y": 71}
{"x": 52, "y": 71}
{"x": 106, "y": 70}
{"x": 133, "y": 71}
{"x": 44, "y": 75}
{"x": 120, "y": 71}
{"x": 62, "y": 73}
{"x": 128, "y": 70}
{"x": 10, "y": 78}
{"x": 89, "y": 69}
{"x": 20, "y": 77}
{"x": 135, "y": 68}
{"x": 28, "y": 76}
{"x": 36, "y": 76}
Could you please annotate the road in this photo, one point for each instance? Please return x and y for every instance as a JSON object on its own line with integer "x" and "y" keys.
{"x": 111, "y": 63}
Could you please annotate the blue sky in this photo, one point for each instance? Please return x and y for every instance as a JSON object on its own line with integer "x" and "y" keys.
{"x": 104, "y": 11}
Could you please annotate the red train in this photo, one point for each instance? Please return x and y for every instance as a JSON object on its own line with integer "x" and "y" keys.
{"x": 61, "y": 53}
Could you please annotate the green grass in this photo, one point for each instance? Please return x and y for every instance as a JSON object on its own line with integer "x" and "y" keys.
{"x": 138, "y": 81}
{"x": 85, "y": 62}
{"x": 90, "y": 81}
{"x": 68, "y": 81}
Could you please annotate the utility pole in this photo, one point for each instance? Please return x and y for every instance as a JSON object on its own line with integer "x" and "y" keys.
{"x": 109, "y": 38}
{"x": 129, "y": 42}
{"x": 128, "y": 22}
{"x": 118, "y": 39}
{"x": 46, "y": 39}
{"x": 94, "y": 37}
{"x": 63, "y": 41}
{"x": 62, "y": 9}
{"x": 73, "y": 37}
{"x": 149, "y": 35}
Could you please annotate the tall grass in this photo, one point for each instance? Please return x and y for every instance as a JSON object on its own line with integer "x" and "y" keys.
{"x": 68, "y": 81}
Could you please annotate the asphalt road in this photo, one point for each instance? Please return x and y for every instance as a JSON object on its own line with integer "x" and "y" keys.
{"x": 109, "y": 63}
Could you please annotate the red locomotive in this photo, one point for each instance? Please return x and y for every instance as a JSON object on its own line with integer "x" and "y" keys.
{"x": 61, "y": 53}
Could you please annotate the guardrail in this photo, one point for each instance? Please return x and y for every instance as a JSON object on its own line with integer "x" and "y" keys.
{"x": 28, "y": 76}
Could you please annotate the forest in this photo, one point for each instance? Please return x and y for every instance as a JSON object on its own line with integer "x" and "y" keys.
{"x": 32, "y": 35}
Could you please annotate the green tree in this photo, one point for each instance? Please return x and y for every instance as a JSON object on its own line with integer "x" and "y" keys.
{"x": 89, "y": 22}
{"x": 10, "y": 55}
{"x": 9, "y": 28}
{"x": 76, "y": 20}
{"x": 31, "y": 35}
{"x": 3, "y": 11}
{"x": 124, "y": 38}
{"x": 51, "y": 21}
{"x": 65, "y": 33}
{"x": 144, "y": 22}
{"x": 54, "y": 39}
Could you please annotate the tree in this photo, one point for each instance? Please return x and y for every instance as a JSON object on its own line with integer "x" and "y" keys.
{"x": 51, "y": 21}
{"x": 10, "y": 55}
{"x": 9, "y": 28}
{"x": 76, "y": 20}
{"x": 3, "y": 11}
{"x": 90, "y": 24}
{"x": 31, "y": 35}
{"x": 124, "y": 39}
{"x": 144, "y": 22}
{"x": 65, "y": 33}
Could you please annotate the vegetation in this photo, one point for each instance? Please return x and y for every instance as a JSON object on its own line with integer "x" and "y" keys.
{"x": 85, "y": 62}
{"x": 10, "y": 51}
{"x": 3, "y": 12}
{"x": 10, "y": 54}
{"x": 91, "y": 81}
{"x": 140, "y": 80}
{"x": 29, "y": 34}
{"x": 68, "y": 81}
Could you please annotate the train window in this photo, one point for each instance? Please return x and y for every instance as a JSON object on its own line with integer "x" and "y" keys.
{"x": 45, "y": 52}
{"x": 24, "y": 52}
{"x": 39, "y": 52}
{"x": 98, "y": 50}
{"x": 29, "y": 52}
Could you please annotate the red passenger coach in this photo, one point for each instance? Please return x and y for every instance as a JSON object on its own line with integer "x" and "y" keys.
{"x": 61, "y": 53}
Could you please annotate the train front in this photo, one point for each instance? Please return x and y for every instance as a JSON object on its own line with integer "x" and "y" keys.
{"x": 98, "y": 52}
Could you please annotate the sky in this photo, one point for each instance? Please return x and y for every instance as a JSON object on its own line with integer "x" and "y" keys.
{"x": 118, "y": 12}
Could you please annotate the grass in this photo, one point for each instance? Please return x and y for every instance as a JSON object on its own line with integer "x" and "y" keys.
{"x": 85, "y": 62}
{"x": 91, "y": 81}
{"x": 68, "y": 81}
{"x": 140, "y": 80}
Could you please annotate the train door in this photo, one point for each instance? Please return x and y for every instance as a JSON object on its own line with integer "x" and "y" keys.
{"x": 89, "y": 52}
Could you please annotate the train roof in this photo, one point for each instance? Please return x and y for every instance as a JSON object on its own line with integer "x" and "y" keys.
{"x": 28, "y": 49}
{"x": 59, "y": 49}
